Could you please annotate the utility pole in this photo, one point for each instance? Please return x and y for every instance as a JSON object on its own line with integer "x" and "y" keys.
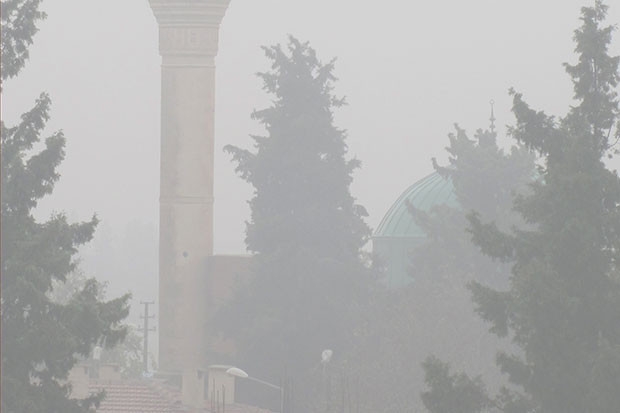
{"x": 145, "y": 332}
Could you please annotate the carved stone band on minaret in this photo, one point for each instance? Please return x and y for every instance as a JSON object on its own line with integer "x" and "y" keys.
{"x": 188, "y": 39}
{"x": 188, "y": 30}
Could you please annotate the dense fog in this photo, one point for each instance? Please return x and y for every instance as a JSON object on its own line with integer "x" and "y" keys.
{"x": 367, "y": 207}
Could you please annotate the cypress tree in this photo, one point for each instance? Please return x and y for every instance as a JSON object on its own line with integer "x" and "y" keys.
{"x": 306, "y": 231}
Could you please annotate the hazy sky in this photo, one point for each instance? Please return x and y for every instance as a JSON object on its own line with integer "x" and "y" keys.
{"x": 409, "y": 70}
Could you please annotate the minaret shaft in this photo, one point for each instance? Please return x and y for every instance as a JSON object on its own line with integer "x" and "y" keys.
{"x": 188, "y": 37}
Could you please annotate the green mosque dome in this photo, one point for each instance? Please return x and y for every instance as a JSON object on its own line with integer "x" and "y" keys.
{"x": 426, "y": 193}
{"x": 398, "y": 233}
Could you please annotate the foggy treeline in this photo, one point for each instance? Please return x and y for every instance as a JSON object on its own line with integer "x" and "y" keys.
{"x": 511, "y": 301}
{"x": 514, "y": 296}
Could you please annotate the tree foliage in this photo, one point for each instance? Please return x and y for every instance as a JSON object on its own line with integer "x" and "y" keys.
{"x": 41, "y": 339}
{"x": 486, "y": 179}
{"x": 452, "y": 393}
{"x": 561, "y": 308}
{"x": 19, "y": 25}
{"x": 127, "y": 355}
{"x": 424, "y": 317}
{"x": 306, "y": 230}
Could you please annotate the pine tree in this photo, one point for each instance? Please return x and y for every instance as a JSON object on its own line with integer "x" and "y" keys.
{"x": 424, "y": 317}
{"x": 453, "y": 393}
{"x": 561, "y": 308}
{"x": 41, "y": 339}
{"x": 486, "y": 179}
{"x": 306, "y": 231}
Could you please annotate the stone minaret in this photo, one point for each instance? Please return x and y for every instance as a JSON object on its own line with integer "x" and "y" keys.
{"x": 188, "y": 40}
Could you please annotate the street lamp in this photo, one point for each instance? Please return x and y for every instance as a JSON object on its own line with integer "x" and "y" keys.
{"x": 237, "y": 372}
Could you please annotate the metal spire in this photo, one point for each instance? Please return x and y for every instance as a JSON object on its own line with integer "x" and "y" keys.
{"x": 492, "y": 118}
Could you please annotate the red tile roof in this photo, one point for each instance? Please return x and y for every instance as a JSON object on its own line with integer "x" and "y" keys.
{"x": 239, "y": 408}
{"x": 152, "y": 396}
{"x": 135, "y": 397}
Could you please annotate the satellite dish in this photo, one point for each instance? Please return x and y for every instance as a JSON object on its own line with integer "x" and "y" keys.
{"x": 326, "y": 356}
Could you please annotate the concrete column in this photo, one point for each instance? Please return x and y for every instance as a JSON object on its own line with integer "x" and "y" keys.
{"x": 188, "y": 39}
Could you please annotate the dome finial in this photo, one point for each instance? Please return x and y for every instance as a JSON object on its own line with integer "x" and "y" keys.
{"x": 492, "y": 118}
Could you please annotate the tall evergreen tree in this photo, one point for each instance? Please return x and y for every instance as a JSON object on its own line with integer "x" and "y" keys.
{"x": 41, "y": 339}
{"x": 562, "y": 306}
{"x": 306, "y": 231}
{"x": 453, "y": 393}
{"x": 486, "y": 179}
{"x": 425, "y": 316}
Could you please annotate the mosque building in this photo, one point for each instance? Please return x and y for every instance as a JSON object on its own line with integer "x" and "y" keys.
{"x": 193, "y": 282}
{"x": 398, "y": 233}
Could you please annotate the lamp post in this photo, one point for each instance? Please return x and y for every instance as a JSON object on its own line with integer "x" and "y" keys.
{"x": 237, "y": 372}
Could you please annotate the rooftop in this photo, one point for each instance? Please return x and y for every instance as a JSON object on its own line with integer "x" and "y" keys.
{"x": 152, "y": 396}
{"x": 428, "y": 192}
